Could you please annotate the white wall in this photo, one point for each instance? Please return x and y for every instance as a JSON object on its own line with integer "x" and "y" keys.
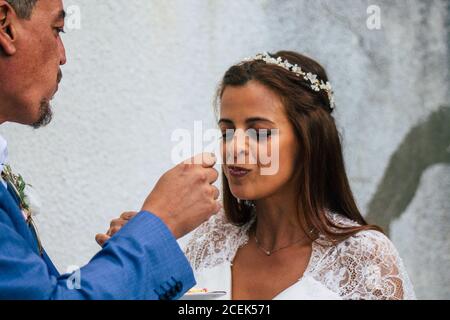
{"x": 139, "y": 69}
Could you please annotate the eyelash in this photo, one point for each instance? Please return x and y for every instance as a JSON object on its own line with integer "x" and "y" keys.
{"x": 226, "y": 136}
{"x": 60, "y": 30}
{"x": 268, "y": 133}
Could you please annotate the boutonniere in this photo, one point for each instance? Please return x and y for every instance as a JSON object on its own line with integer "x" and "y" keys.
{"x": 28, "y": 201}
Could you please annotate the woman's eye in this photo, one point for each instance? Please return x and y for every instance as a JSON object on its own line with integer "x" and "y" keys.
{"x": 228, "y": 135}
{"x": 261, "y": 134}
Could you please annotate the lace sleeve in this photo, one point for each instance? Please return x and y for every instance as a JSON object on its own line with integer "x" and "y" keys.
{"x": 375, "y": 270}
{"x": 214, "y": 242}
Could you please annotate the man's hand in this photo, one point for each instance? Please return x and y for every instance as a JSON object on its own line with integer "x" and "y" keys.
{"x": 184, "y": 197}
{"x": 115, "y": 226}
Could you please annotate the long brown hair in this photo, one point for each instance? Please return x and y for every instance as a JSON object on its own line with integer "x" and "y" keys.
{"x": 321, "y": 175}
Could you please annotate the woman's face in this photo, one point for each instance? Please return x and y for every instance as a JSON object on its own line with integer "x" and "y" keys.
{"x": 259, "y": 144}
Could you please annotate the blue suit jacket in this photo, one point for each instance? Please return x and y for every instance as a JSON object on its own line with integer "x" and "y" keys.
{"x": 142, "y": 261}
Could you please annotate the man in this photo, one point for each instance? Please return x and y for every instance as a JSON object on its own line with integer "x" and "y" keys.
{"x": 143, "y": 259}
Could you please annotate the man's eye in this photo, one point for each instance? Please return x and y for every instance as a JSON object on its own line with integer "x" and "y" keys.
{"x": 60, "y": 30}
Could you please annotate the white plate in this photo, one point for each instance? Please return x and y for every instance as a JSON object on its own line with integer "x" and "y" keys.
{"x": 204, "y": 295}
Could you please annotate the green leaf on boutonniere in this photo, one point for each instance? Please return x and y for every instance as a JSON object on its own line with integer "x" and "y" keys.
{"x": 18, "y": 184}
{"x": 22, "y": 183}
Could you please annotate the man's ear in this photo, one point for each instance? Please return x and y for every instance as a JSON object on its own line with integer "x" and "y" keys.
{"x": 7, "y": 29}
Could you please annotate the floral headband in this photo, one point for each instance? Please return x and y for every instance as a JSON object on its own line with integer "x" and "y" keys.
{"x": 316, "y": 84}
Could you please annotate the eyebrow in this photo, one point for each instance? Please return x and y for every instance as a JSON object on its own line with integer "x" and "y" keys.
{"x": 249, "y": 120}
{"x": 61, "y": 15}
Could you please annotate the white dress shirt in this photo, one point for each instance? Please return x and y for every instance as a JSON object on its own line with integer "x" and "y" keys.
{"x": 3, "y": 156}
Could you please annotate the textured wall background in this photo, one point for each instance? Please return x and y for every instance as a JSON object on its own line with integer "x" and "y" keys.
{"x": 139, "y": 69}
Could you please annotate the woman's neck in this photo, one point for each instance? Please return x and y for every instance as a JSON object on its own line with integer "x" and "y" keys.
{"x": 277, "y": 222}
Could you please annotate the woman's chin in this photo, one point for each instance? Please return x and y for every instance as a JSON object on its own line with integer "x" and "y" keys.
{"x": 242, "y": 194}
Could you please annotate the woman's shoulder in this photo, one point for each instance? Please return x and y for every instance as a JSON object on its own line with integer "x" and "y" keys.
{"x": 362, "y": 237}
{"x": 214, "y": 242}
{"x": 366, "y": 265}
{"x": 370, "y": 246}
{"x": 368, "y": 243}
{"x": 365, "y": 246}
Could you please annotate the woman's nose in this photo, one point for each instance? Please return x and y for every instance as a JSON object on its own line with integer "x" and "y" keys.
{"x": 237, "y": 149}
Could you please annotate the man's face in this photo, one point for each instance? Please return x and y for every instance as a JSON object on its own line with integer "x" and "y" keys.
{"x": 33, "y": 71}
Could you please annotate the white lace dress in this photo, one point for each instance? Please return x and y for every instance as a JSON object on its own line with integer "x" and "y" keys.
{"x": 365, "y": 266}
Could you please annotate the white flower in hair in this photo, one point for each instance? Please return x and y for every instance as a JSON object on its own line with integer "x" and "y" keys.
{"x": 296, "y": 69}
{"x": 312, "y": 78}
{"x": 316, "y": 84}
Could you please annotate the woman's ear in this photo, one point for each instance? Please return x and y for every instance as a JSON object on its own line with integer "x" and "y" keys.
{"x": 7, "y": 30}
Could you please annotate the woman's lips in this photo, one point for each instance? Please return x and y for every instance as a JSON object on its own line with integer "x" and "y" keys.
{"x": 238, "y": 172}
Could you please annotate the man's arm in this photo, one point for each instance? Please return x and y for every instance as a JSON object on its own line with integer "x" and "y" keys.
{"x": 142, "y": 261}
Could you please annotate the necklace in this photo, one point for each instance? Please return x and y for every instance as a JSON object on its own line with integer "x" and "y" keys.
{"x": 271, "y": 252}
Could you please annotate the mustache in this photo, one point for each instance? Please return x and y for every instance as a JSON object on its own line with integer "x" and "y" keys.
{"x": 59, "y": 76}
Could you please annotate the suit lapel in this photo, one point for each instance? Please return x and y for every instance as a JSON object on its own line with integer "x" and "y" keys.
{"x": 11, "y": 205}
{"x": 51, "y": 267}
{"x": 15, "y": 214}
{"x": 10, "y": 189}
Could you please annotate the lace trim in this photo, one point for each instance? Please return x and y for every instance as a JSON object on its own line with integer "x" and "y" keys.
{"x": 365, "y": 266}
{"x": 215, "y": 242}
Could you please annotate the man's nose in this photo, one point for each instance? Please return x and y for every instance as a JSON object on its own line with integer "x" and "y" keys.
{"x": 62, "y": 53}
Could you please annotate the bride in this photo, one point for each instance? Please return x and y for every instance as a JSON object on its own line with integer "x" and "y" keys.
{"x": 295, "y": 233}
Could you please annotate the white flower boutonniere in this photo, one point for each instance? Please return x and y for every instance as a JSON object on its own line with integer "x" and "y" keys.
{"x": 28, "y": 200}
{"x": 32, "y": 200}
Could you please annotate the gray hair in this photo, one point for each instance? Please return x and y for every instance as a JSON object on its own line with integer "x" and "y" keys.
{"x": 23, "y": 8}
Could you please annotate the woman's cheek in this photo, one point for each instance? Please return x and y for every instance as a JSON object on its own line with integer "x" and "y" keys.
{"x": 224, "y": 152}
{"x": 253, "y": 157}
{"x": 269, "y": 156}
{"x": 287, "y": 158}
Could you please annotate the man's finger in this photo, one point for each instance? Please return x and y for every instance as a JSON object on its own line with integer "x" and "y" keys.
{"x": 128, "y": 215}
{"x": 217, "y": 208}
{"x": 101, "y": 239}
{"x": 216, "y": 193}
{"x": 207, "y": 160}
{"x": 113, "y": 230}
{"x": 212, "y": 175}
{"x": 118, "y": 222}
